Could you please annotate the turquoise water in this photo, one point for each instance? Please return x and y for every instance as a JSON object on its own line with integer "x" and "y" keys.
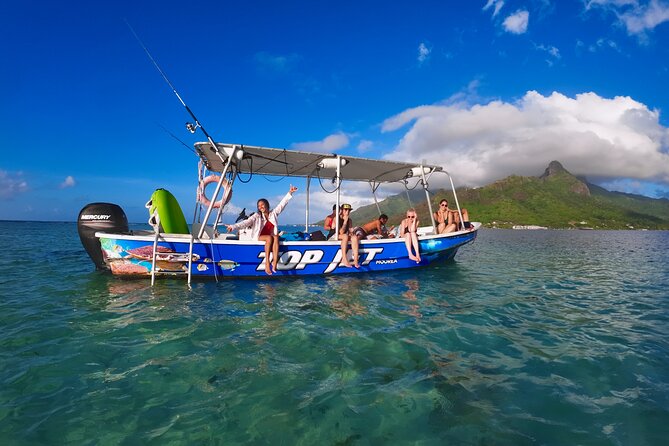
{"x": 529, "y": 337}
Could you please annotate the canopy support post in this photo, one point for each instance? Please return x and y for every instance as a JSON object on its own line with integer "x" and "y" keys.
{"x": 427, "y": 196}
{"x": 457, "y": 203}
{"x": 218, "y": 188}
{"x": 306, "y": 216}
{"x": 374, "y": 188}
{"x": 338, "y": 197}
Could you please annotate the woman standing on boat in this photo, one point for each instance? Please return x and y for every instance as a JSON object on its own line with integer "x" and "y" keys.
{"x": 264, "y": 227}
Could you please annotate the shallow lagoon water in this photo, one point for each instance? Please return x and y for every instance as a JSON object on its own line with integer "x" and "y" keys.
{"x": 528, "y": 337}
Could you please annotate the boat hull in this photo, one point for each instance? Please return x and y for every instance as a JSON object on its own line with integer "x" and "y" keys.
{"x": 132, "y": 255}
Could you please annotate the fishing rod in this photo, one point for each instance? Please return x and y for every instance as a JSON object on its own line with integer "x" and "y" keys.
{"x": 175, "y": 137}
{"x": 190, "y": 126}
{"x": 234, "y": 152}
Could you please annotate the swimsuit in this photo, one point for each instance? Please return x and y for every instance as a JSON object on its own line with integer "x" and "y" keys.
{"x": 268, "y": 229}
{"x": 359, "y": 232}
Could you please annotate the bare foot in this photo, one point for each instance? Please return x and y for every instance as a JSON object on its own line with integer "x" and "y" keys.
{"x": 412, "y": 257}
{"x": 418, "y": 259}
{"x": 356, "y": 265}
{"x": 345, "y": 264}
{"x": 273, "y": 268}
{"x": 268, "y": 271}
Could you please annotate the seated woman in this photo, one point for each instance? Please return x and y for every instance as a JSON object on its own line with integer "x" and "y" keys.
{"x": 448, "y": 220}
{"x": 444, "y": 218}
{"x": 409, "y": 230}
{"x": 264, "y": 227}
{"x": 346, "y": 234}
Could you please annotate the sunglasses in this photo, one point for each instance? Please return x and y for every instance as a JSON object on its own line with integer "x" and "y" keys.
{"x": 411, "y": 216}
{"x": 443, "y": 204}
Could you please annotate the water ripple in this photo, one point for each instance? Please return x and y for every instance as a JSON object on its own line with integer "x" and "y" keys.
{"x": 530, "y": 337}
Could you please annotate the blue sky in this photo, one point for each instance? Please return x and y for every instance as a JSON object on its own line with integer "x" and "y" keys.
{"x": 485, "y": 88}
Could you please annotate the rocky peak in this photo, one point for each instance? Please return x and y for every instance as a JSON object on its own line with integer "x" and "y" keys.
{"x": 553, "y": 168}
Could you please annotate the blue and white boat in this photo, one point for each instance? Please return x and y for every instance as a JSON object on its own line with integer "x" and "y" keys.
{"x": 176, "y": 249}
{"x": 203, "y": 249}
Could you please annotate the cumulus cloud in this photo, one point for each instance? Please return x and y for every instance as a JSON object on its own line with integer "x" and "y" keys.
{"x": 423, "y": 52}
{"x": 328, "y": 144}
{"x": 12, "y": 184}
{"x": 517, "y": 22}
{"x": 637, "y": 16}
{"x": 495, "y": 4}
{"x": 600, "y": 138}
{"x": 68, "y": 182}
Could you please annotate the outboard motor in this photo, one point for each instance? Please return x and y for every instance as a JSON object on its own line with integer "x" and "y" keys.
{"x": 100, "y": 217}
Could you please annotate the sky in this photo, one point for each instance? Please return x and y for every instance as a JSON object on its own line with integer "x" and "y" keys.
{"x": 484, "y": 88}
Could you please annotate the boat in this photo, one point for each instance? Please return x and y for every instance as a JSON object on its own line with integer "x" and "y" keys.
{"x": 204, "y": 250}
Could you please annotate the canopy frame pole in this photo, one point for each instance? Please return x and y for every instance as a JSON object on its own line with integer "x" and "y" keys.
{"x": 427, "y": 195}
{"x": 408, "y": 197}
{"x": 457, "y": 203}
{"x": 374, "y": 185}
{"x": 218, "y": 189}
{"x": 306, "y": 216}
{"x": 338, "y": 197}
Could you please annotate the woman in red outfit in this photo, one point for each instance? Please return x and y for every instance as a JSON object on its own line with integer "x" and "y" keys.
{"x": 265, "y": 226}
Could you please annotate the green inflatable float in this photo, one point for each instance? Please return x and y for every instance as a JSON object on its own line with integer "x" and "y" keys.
{"x": 172, "y": 220}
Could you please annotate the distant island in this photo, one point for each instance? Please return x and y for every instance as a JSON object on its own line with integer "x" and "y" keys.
{"x": 556, "y": 199}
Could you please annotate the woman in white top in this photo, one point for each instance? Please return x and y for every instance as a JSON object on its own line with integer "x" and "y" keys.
{"x": 265, "y": 227}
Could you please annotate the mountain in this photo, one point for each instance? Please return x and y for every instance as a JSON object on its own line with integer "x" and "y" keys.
{"x": 555, "y": 199}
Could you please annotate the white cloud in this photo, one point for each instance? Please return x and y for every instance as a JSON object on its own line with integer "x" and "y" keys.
{"x": 645, "y": 17}
{"x": 591, "y": 135}
{"x": 603, "y": 43}
{"x": 553, "y": 53}
{"x": 69, "y": 182}
{"x": 328, "y": 144}
{"x": 12, "y": 184}
{"x": 638, "y": 16}
{"x": 517, "y": 22}
{"x": 423, "y": 52}
{"x": 365, "y": 145}
{"x": 498, "y": 5}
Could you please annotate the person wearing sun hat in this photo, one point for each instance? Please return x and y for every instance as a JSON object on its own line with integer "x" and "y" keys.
{"x": 345, "y": 235}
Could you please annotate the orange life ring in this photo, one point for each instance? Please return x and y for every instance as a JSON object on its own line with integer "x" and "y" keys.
{"x": 202, "y": 197}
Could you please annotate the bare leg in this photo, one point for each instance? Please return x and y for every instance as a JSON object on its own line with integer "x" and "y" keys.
{"x": 414, "y": 241}
{"x": 450, "y": 226}
{"x": 407, "y": 242}
{"x": 354, "y": 246}
{"x": 275, "y": 252}
{"x": 268, "y": 247}
{"x": 344, "y": 248}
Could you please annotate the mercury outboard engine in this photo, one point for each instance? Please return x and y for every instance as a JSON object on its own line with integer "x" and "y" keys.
{"x": 100, "y": 217}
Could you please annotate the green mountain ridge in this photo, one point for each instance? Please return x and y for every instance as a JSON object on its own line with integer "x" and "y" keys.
{"x": 556, "y": 199}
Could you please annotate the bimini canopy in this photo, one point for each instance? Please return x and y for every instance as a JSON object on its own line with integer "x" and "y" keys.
{"x": 294, "y": 163}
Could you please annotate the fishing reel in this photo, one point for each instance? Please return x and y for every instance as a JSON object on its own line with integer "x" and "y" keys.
{"x": 192, "y": 127}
